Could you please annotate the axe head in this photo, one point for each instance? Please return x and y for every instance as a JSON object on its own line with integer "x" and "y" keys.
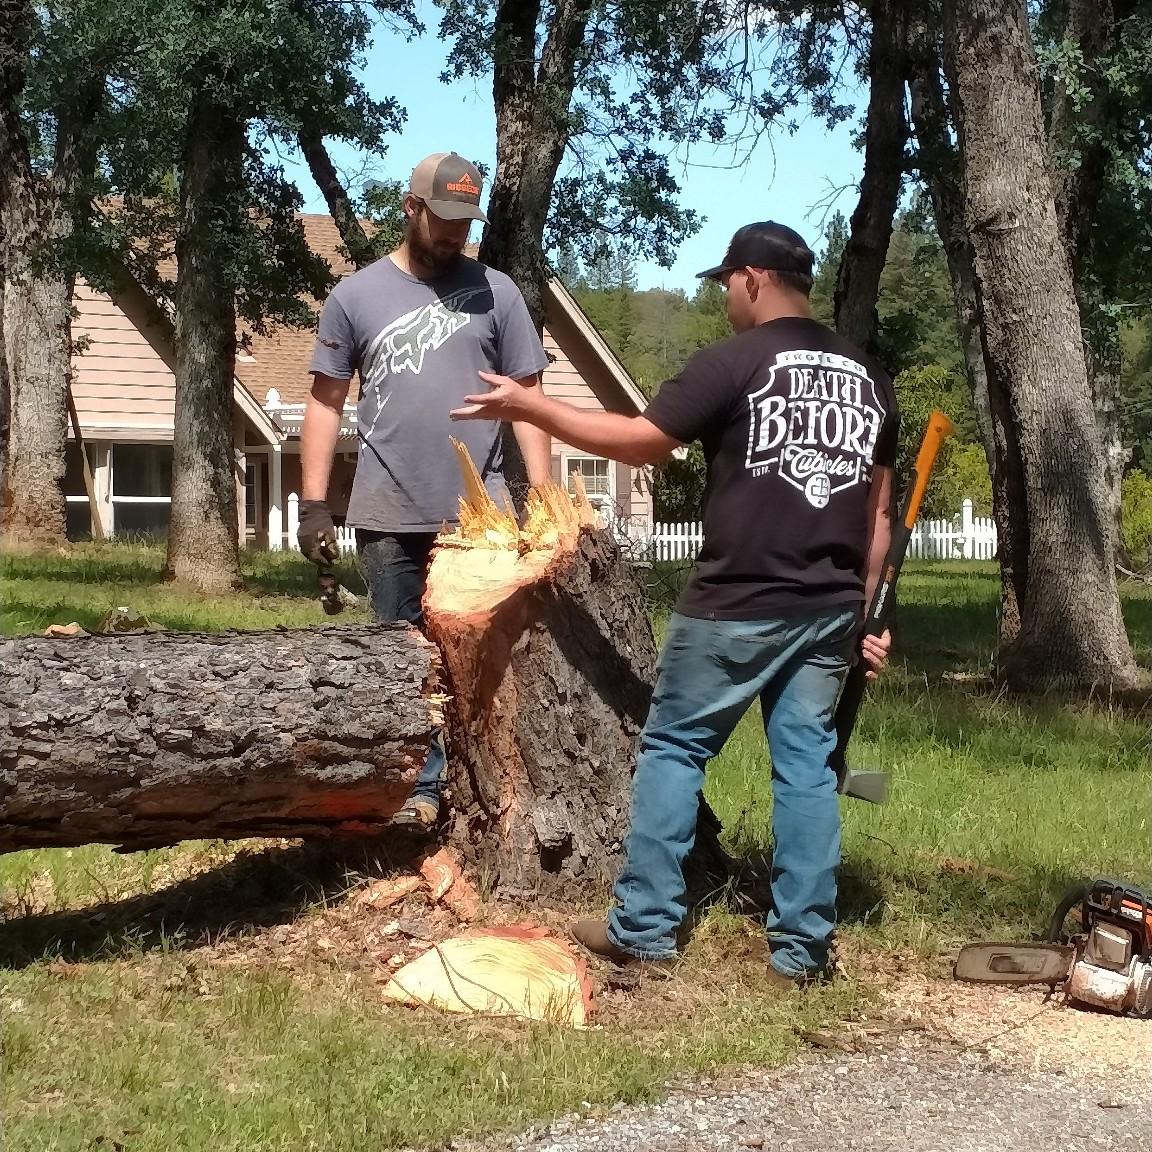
{"x": 870, "y": 786}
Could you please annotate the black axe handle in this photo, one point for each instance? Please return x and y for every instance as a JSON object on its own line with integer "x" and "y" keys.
{"x": 939, "y": 428}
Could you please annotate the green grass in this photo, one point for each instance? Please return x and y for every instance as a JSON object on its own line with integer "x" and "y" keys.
{"x": 157, "y": 1060}
{"x": 83, "y": 586}
{"x": 150, "y": 1042}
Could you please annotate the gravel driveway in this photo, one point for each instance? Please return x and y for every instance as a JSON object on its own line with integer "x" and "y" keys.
{"x": 983, "y": 1071}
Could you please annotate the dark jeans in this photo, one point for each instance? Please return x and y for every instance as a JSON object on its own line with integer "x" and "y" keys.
{"x": 395, "y": 569}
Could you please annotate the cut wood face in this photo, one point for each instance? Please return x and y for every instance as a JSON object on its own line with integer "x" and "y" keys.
{"x": 490, "y": 555}
{"x": 473, "y": 582}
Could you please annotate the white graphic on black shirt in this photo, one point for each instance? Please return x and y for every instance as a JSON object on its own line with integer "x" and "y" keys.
{"x": 815, "y": 423}
{"x": 402, "y": 346}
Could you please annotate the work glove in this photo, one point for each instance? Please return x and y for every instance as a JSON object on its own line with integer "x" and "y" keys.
{"x": 316, "y": 534}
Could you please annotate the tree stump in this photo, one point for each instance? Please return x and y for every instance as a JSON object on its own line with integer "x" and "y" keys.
{"x": 146, "y": 739}
{"x": 548, "y": 660}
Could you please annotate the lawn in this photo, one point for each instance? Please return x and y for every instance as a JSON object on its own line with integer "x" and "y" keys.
{"x": 190, "y": 998}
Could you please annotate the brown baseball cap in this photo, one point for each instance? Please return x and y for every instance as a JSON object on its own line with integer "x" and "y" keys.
{"x": 449, "y": 185}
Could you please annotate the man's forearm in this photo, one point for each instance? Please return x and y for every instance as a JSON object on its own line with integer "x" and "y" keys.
{"x": 536, "y": 448}
{"x": 318, "y": 436}
{"x": 608, "y": 434}
{"x": 877, "y": 551}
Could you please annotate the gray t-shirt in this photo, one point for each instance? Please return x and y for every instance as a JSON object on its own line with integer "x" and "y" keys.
{"x": 418, "y": 346}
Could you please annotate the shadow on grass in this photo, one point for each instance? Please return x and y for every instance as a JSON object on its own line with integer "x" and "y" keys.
{"x": 746, "y": 891}
{"x": 255, "y": 891}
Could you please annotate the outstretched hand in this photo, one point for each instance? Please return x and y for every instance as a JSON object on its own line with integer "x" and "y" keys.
{"x": 508, "y": 400}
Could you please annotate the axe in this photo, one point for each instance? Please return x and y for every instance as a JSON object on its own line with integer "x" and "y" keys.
{"x": 873, "y": 786}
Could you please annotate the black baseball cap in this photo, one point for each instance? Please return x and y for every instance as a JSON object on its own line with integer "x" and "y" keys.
{"x": 765, "y": 245}
{"x": 449, "y": 185}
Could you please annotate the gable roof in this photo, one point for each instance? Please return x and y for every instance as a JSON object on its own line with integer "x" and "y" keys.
{"x": 129, "y": 293}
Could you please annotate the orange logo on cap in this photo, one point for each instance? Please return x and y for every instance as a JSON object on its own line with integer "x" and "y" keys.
{"x": 464, "y": 185}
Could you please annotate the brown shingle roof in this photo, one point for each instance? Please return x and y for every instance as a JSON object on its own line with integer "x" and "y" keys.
{"x": 280, "y": 360}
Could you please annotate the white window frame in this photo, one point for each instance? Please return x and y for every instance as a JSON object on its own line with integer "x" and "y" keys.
{"x": 604, "y": 503}
{"x": 259, "y": 479}
{"x": 569, "y": 458}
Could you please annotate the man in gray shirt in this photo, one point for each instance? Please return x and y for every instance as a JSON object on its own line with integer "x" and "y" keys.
{"x": 416, "y": 326}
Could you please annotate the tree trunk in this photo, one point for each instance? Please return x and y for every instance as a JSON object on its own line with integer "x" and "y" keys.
{"x": 941, "y": 167}
{"x": 36, "y": 319}
{"x": 1071, "y": 630}
{"x": 549, "y": 657}
{"x": 886, "y": 133}
{"x": 1084, "y": 125}
{"x": 203, "y": 536}
{"x": 549, "y": 660}
{"x": 146, "y": 739}
{"x": 5, "y": 403}
{"x": 532, "y": 133}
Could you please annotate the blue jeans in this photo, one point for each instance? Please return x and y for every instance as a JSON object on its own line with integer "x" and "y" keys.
{"x": 710, "y": 672}
{"x": 396, "y": 570}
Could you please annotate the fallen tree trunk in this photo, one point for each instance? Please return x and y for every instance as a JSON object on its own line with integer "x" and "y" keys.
{"x": 146, "y": 739}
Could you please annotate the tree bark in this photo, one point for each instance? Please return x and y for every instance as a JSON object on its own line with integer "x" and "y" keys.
{"x": 1071, "y": 631}
{"x": 5, "y": 402}
{"x": 203, "y": 536}
{"x": 35, "y": 217}
{"x": 147, "y": 739}
{"x": 550, "y": 679}
{"x": 1081, "y": 134}
{"x": 942, "y": 169}
{"x": 885, "y": 135}
{"x": 532, "y": 132}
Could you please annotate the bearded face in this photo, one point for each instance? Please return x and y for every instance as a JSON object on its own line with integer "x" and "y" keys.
{"x": 434, "y": 244}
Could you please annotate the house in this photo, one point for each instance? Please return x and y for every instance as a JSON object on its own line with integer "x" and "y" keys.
{"x": 124, "y": 389}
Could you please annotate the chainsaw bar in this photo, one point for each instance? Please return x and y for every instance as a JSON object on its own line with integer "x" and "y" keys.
{"x": 1014, "y": 963}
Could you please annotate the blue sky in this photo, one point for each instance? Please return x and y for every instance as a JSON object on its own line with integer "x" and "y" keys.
{"x": 788, "y": 178}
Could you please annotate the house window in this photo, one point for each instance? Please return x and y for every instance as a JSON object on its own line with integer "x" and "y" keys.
{"x": 599, "y": 476}
{"x": 595, "y": 471}
{"x": 79, "y": 513}
{"x": 141, "y": 489}
{"x": 253, "y": 496}
{"x": 142, "y": 470}
{"x": 74, "y": 469}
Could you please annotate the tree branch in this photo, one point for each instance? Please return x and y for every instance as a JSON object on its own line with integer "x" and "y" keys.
{"x": 360, "y": 250}
{"x": 886, "y": 135}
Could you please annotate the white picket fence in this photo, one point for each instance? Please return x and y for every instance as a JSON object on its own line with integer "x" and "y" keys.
{"x": 964, "y": 537}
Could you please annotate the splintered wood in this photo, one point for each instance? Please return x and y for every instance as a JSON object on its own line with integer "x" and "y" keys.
{"x": 551, "y": 515}
{"x": 491, "y": 553}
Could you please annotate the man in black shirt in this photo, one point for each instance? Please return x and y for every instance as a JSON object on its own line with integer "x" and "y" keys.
{"x": 799, "y": 432}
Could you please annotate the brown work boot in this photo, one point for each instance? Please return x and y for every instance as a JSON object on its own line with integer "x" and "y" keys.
{"x": 593, "y": 935}
{"x": 418, "y": 815}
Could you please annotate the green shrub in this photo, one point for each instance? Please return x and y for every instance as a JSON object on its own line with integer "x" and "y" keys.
{"x": 1136, "y": 516}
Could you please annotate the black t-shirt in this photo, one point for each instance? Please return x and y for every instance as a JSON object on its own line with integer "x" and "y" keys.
{"x": 792, "y": 419}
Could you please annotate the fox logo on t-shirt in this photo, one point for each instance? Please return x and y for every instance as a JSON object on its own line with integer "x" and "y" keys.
{"x": 815, "y": 423}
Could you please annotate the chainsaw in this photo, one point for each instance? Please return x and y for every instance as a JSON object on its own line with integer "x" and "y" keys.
{"x": 1105, "y": 962}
